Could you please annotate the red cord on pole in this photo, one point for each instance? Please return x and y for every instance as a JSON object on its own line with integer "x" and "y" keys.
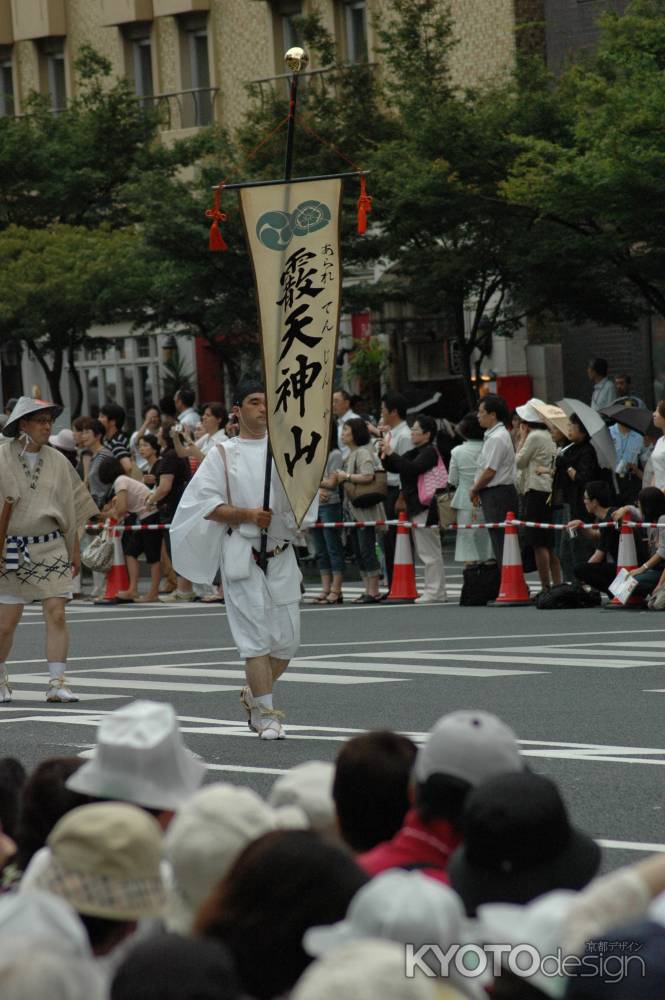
{"x": 216, "y": 240}
{"x": 364, "y": 206}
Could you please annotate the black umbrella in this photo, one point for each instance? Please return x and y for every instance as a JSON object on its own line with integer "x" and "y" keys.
{"x": 632, "y": 416}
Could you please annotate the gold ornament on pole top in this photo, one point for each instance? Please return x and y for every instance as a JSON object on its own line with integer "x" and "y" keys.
{"x": 296, "y": 60}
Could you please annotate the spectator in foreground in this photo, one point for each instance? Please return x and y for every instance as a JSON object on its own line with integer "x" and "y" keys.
{"x": 367, "y": 970}
{"x": 463, "y": 750}
{"x": 105, "y": 862}
{"x": 519, "y": 843}
{"x": 308, "y": 788}
{"x": 380, "y": 760}
{"x": 604, "y": 392}
{"x": 169, "y": 967}
{"x": 209, "y": 832}
{"x": 282, "y": 884}
{"x": 140, "y": 758}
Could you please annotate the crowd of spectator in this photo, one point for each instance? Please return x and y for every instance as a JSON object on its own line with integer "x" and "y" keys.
{"x": 542, "y": 464}
{"x": 449, "y": 871}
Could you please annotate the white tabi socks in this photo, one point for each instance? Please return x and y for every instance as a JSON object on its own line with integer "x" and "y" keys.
{"x": 58, "y": 689}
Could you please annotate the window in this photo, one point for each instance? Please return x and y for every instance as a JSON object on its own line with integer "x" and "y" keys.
{"x": 356, "y": 31}
{"x": 54, "y": 80}
{"x": 197, "y": 104}
{"x": 138, "y": 59}
{"x": 287, "y": 11}
{"x": 6, "y": 83}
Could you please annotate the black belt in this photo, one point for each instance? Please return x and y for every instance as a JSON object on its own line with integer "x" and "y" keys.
{"x": 270, "y": 555}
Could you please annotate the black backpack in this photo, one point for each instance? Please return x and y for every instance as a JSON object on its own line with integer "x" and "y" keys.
{"x": 567, "y": 595}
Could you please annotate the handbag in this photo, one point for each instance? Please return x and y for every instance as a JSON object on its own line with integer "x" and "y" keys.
{"x": 99, "y": 554}
{"x": 447, "y": 513}
{"x": 429, "y": 482}
{"x": 363, "y": 495}
{"x": 480, "y": 584}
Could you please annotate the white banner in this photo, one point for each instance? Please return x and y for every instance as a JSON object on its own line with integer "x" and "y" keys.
{"x": 292, "y": 232}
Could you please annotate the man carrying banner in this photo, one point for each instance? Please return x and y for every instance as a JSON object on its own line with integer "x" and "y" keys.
{"x": 44, "y": 505}
{"x": 221, "y": 515}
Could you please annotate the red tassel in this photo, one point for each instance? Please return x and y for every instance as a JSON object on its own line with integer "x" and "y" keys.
{"x": 216, "y": 240}
{"x": 364, "y": 207}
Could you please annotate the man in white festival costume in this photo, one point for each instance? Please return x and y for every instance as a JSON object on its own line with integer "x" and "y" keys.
{"x": 221, "y": 515}
{"x": 41, "y": 553}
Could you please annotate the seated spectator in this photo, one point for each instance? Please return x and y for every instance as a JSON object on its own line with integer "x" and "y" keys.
{"x": 651, "y": 508}
{"x": 169, "y": 967}
{"x": 367, "y": 970}
{"x": 382, "y": 761}
{"x": 463, "y": 750}
{"x": 105, "y": 862}
{"x": 412, "y": 466}
{"x": 308, "y": 787}
{"x": 132, "y": 497}
{"x": 45, "y": 800}
{"x": 206, "y": 836}
{"x": 601, "y": 569}
{"x": 519, "y": 843}
{"x": 408, "y": 908}
{"x": 282, "y": 884}
{"x": 140, "y": 758}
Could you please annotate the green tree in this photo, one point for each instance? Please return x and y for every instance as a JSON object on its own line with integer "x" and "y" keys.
{"x": 58, "y": 282}
{"x": 600, "y": 178}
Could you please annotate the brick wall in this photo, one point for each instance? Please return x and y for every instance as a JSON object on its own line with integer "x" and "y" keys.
{"x": 573, "y": 26}
{"x": 624, "y": 350}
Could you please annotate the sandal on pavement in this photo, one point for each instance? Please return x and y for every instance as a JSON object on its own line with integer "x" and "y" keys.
{"x": 321, "y": 598}
{"x": 247, "y": 702}
{"x": 59, "y": 690}
{"x": 5, "y": 688}
{"x": 269, "y": 726}
{"x": 334, "y": 597}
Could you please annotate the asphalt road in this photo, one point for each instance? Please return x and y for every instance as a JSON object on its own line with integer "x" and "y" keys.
{"x": 584, "y": 691}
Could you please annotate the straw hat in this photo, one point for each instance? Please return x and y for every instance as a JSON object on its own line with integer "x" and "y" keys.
{"x": 552, "y": 414}
{"x": 24, "y": 406}
{"x": 140, "y": 758}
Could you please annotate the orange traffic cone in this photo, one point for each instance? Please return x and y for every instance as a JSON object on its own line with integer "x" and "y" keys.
{"x": 403, "y": 589}
{"x": 117, "y": 578}
{"x": 513, "y": 589}
{"x": 626, "y": 559}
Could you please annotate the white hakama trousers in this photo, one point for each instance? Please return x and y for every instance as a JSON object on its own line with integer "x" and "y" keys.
{"x": 260, "y": 622}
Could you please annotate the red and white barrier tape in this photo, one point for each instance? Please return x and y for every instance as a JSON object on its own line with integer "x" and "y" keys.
{"x": 407, "y": 524}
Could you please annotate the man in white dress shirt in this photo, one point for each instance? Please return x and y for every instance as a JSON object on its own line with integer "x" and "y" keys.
{"x": 494, "y": 488}
{"x": 184, "y": 406}
{"x": 604, "y": 392}
{"x": 221, "y": 515}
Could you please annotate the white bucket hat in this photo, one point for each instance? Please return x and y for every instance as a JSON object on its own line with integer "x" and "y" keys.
{"x": 308, "y": 786}
{"x": 44, "y": 919}
{"x": 140, "y": 758}
{"x": 64, "y": 440}
{"x": 528, "y": 411}
{"x": 205, "y": 838}
{"x": 24, "y": 406}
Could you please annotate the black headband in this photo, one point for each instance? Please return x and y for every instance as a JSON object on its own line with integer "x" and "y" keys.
{"x": 245, "y": 389}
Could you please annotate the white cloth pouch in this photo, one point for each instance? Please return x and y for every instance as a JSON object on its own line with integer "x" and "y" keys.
{"x": 236, "y": 556}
